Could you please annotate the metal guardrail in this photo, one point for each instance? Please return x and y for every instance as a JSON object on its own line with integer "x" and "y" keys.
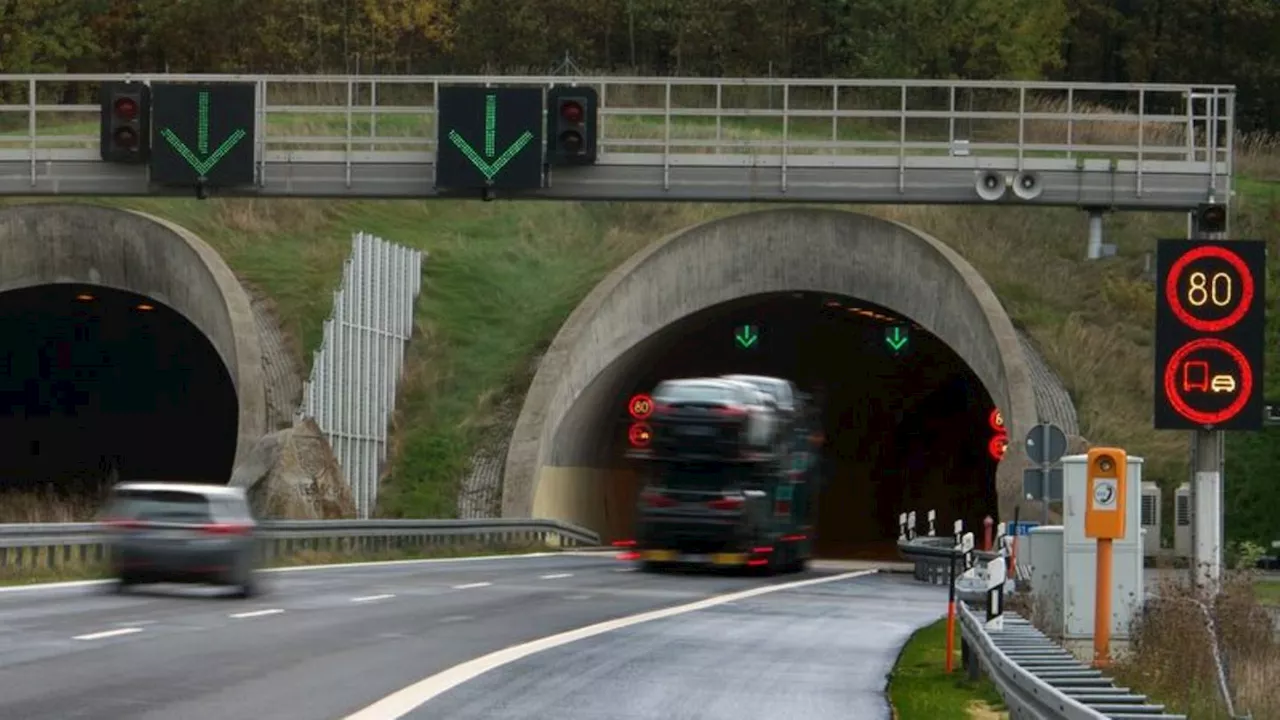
{"x": 1039, "y": 679}
{"x": 21, "y": 545}
{"x": 1114, "y": 145}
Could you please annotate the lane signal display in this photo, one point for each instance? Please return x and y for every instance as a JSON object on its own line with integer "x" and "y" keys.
{"x": 640, "y": 406}
{"x": 998, "y": 444}
{"x": 639, "y": 435}
{"x": 1210, "y": 334}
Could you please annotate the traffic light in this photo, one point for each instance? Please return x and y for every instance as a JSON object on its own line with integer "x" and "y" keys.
{"x": 572, "y": 119}
{"x": 1104, "y": 516}
{"x": 1211, "y": 218}
{"x": 126, "y": 122}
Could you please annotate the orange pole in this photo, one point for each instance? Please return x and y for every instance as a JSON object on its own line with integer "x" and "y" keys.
{"x": 951, "y": 633}
{"x": 1102, "y": 607}
{"x": 987, "y": 524}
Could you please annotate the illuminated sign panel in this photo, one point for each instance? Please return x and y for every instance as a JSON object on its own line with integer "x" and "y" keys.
{"x": 489, "y": 138}
{"x": 204, "y": 134}
{"x": 1210, "y": 306}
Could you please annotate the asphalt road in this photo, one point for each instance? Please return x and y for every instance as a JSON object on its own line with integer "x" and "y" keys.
{"x": 324, "y": 643}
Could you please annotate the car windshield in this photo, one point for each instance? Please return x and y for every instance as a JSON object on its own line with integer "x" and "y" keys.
{"x": 699, "y": 477}
{"x": 711, "y": 393}
{"x": 161, "y": 505}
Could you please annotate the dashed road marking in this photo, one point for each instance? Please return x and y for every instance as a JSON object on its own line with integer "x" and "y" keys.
{"x": 256, "y": 613}
{"x": 108, "y": 633}
{"x": 371, "y": 598}
{"x": 624, "y": 569}
{"x": 468, "y": 586}
{"x": 556, "y": 576}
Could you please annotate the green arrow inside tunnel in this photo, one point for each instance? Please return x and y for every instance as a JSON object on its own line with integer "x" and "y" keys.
{"x": 896, "y": 337}
{"x": 746, "y": 336}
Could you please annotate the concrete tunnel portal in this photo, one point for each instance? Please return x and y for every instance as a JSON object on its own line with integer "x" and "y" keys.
{"x": 128, "y": 350}
{"x": 823, "y": 290}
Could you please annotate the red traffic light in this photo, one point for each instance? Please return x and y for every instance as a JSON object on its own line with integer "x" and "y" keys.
{"x": 126, "y": 108}
{"x": 571, "y": 111}
{"x": 995, "y": 420}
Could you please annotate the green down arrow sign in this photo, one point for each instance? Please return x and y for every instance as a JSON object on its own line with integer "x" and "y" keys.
{"x": 202, "y": 161}
{"x": 896, "y": 338}
{"x": 746, "y": 336}
{"x": 488, "y": 165}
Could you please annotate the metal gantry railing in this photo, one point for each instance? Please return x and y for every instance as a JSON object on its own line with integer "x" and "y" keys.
{"x": 356, "y": 371}
{"x": 1112, "y": 145}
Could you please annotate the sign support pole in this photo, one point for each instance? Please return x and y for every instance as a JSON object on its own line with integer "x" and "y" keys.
{"x": 1044, "y": 473}
{"x": 1207, "y": 460}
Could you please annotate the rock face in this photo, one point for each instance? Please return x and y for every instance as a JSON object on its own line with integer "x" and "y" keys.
{"x": 292, "y": 474}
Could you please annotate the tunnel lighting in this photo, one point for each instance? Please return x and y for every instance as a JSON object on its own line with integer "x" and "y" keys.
{"x": 84, "y": 297}
{"x": 833, "y": 304}
{"x": 144, "y": 307}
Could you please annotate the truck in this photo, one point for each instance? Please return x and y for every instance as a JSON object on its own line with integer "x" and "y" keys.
{"x": 731, "y": 479}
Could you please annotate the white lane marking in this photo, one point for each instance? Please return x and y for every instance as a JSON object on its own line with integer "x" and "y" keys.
{"x": 406, "y": 700}
{"x": 556, "y": 576}
{"x": 72, "y": 584}
{"x": 108, "y": 633}
{"x": 468, "y": 586}
{"x": 256, "y": 613}
{"x": 624, "y": 569}
{"x": 371, "y": 598}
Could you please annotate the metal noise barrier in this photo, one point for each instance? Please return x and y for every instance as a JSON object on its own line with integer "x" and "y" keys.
{"x": 66, "y": 543}
{"x": 355, "y": 373}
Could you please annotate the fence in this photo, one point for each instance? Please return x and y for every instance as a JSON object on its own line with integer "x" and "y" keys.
{"x": 352, "y": 390}
{"x": 54, "y": 545}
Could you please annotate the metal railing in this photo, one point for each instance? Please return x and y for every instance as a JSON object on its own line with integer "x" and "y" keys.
{"x": 53, "y": 545}
{"x": 1037, "y": 677}
{"x": 666, "y": 137}
{"x": 355, "y": 373}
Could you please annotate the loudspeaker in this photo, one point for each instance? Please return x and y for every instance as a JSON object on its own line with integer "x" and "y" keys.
{"x": 990, "y": 185}
{"x": 1027, "y": 185}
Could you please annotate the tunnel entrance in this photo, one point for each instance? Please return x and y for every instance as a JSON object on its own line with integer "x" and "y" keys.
{"x": 99, "y": 384}
{"x": 905, "y": 419}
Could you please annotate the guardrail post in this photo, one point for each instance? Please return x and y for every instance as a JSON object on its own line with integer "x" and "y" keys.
{"x": 933, "y": 516}
{"x": 911, "y": 525}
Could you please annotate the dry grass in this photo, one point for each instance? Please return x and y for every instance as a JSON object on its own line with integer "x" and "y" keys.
{"x": 1173, "y": 658}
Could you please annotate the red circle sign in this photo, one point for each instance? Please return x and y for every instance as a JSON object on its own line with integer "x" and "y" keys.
{"x": 997, "y": 446}
{"x": 639, "y": 435}
{"x": 996, "y": 420}
{"x": 1180, "y": 310}
{"x": 640, "y": 406}
{"x": 1183, "y": 375}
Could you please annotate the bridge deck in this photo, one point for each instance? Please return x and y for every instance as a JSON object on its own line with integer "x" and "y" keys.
{"x": 1124, "y": 146}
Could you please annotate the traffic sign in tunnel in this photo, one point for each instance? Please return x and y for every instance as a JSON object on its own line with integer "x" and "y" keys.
{"x": 906, "y": 347}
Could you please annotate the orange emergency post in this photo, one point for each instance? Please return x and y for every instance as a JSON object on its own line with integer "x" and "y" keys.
{"x": 1104, "y": 521}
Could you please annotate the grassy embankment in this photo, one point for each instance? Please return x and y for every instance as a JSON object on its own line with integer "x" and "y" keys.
{"x": 921, "y": 689}
{"x": 502, "y": 276}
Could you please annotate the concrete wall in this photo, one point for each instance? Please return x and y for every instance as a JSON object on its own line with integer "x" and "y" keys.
{"x": 132, "y": 251}
{"x": 776, "y": 250}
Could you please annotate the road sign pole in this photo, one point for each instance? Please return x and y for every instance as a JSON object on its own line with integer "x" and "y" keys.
{"x": 1044, "y": 471}
{"x": 1207, "y": 460}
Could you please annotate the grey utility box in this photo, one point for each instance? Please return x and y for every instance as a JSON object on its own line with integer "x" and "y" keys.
{"x": 1041, "y": 554}
{"x": 1079, "y": 555}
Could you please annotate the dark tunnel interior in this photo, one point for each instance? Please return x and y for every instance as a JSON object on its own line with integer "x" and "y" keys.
{"x": 97, "y": 383}
{"x": 905, "y": 419}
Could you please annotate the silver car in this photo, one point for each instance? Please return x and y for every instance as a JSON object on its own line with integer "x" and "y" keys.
{"x": 184, "y": 533}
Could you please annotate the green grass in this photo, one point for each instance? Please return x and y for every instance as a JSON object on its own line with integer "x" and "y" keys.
{"x": 41, "y": 573}
{"x": 1268, "y": 592}
{"x": 921, "y": 689}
